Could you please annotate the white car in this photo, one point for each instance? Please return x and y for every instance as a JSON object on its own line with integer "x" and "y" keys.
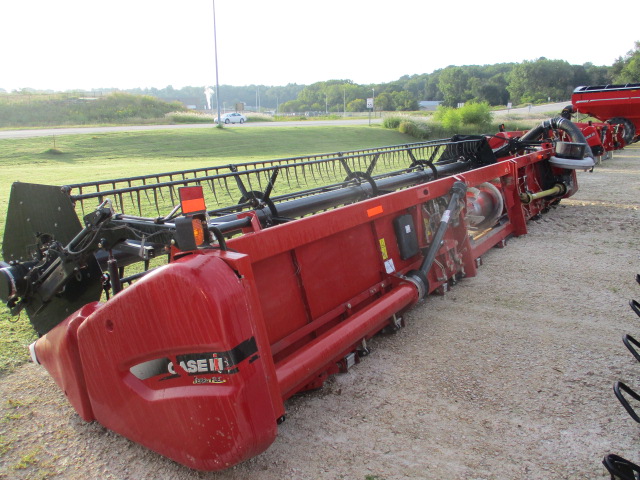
{"x": 233, "y": 118}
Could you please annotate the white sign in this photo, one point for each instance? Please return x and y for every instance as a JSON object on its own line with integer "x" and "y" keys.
{"x": 389, "y": 266}
{"x": 509, "y": 105}
{"x": 369, "y": 102}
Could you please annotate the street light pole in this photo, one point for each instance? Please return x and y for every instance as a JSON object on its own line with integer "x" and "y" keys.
{"x": 215, "y": 47}
{"x": 374, "y": 102}
{"x": 344, "y": 102}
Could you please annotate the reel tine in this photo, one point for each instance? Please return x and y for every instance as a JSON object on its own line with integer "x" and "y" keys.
{"x": 139, "y": 203}
{"x": 305, "y": 175}
{"x": 82, "y": 203}
{"x": 155, "y": 198}
{"x": 372, "y": 166}
{"x": 295, "y": 170}
{"x": 213, "y": 190}
{"x": 226, "y": 186}
{"x": 286, "y": 171}
{"x": 131, "y": 193}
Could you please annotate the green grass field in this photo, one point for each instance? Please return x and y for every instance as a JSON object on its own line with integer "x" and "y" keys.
{"x": 81, "y": 158}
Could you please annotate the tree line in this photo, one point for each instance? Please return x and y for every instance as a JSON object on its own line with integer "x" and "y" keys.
{"x": 534, "y": 81}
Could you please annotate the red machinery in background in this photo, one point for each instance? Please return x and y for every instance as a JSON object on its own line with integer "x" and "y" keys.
{"x": 301, "y": 261}
{"x": 613, "y": 104}
{"x": 602, "y": 138}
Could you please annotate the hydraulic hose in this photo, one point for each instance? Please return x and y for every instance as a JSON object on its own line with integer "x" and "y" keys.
{"x": 561, "y": 124}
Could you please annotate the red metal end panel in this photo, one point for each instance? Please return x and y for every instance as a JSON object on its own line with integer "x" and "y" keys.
{"x": 58, "y": 352}
{"x": 174, "y": 363}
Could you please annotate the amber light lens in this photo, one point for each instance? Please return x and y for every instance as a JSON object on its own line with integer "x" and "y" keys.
{"x": 198, "y": 231}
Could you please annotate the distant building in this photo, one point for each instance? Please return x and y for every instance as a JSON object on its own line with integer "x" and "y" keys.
{"x": 429, "y": 105}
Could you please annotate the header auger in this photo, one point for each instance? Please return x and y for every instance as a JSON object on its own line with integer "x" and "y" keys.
{"x": 277, "y": 274}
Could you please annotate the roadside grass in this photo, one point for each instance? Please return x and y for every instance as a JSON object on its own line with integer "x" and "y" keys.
{"x": 40, "y": 110}
{"x": 430, "y": 129}
{"x": 88, "y": 157}
{"x": 198, "y": 117}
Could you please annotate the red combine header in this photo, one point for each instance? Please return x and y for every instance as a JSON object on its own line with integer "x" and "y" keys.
{"x": 277, "y": 274}
{"x": 617, "y": 105}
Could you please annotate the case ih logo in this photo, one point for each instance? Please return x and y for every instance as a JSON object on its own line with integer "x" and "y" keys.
{"x": 207, "y": 364}
{"x": 198, "y": 363}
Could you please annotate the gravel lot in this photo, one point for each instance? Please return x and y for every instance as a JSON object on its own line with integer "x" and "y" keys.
{"x": 507, "y": 376}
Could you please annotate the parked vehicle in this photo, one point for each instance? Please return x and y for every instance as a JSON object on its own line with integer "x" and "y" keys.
{"x": 234, "y": 117}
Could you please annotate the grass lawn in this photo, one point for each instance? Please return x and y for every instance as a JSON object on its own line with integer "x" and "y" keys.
{"x": 81, "y": 158}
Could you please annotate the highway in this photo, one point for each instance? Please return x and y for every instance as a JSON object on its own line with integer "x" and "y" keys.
{"x": 48, "y": 132}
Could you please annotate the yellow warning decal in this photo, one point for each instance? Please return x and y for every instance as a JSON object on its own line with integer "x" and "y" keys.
{"x": 383, "y": 249}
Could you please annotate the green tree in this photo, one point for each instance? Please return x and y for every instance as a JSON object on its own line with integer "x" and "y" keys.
{"x": 449, "y": 117}
{"x": 357, "y": 105}
{"x": 540, "y": 80}
{"x": 597, "y": 75}
{"x": 627, "y": 69}
{"x": 453, "y": 84}
{"x": 384, "y": 102}
{"x": 293, "y": 106}
{"x": 404, "y": 101}
{"x": 474, "y": 113}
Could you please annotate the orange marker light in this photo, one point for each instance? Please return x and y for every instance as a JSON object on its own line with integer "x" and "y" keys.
{"x": 198, "y": 231}
{"x": 192, "y": 199}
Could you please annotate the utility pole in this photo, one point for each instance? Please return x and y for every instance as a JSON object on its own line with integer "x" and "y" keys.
{"x": 215, "y": 46}
{"x": 374, "y": 102}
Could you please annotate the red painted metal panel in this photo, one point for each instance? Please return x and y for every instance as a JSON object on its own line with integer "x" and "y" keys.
{"x": 58, "y": 352}
{"x": 281, "y": 295}
{"x": 339, "y": 267}
{"x": 151, "y": 358}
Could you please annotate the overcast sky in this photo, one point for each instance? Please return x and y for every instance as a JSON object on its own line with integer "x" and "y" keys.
{"x": 73, "y": 44}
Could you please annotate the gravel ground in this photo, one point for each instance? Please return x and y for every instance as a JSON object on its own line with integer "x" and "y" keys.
{"x": 507, "y": 376}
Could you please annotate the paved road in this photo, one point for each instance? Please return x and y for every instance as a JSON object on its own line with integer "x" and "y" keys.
{"x": 548, "y": 107}
{"x": 47, "y": 132}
